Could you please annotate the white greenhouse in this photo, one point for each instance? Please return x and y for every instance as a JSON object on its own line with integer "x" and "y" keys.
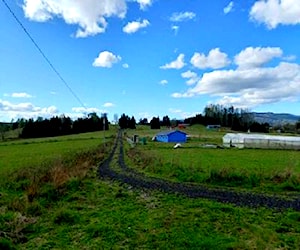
{"x": 241, "y": 140}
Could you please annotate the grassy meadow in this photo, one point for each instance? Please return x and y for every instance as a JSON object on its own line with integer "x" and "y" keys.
{"x": 31, "y": 152}
{"x": 52, "y": 198}
{"x": 257, "y": 169}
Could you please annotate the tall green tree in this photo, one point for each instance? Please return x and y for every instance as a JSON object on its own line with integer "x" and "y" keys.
{"x": 155, "y": 123}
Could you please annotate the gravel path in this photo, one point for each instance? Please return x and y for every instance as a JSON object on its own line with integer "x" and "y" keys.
{"x": 138, "y": 180}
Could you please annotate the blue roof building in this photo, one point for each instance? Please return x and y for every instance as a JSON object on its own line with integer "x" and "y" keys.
{"x": 171, "y": 136}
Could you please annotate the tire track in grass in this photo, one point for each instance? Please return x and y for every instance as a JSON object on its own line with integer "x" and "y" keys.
{"x": 139, "y": 180}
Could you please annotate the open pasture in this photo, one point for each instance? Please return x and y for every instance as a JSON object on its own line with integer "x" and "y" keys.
{"x": 31, "y": 152}
{"x": 261, "y": 169}
{"x": 85, "y": 212}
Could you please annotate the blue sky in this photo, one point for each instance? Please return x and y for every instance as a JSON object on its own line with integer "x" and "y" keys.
{"x": 149, "y": 57}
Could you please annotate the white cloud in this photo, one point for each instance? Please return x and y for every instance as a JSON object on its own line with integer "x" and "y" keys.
{"x": 228, "y": 8}
{"x": 177, "y": 64}
{"x": 108, "y": 105}
{"x": 256, "y": 57}
{"x": 106, "y": 59}
{"x": 79, "y": 112}
{"x": 89, "y": 15}
{"x": 290, "y": 58}
{"x": 191, "y": 76}
{"x": 188, "y": 74}
{"x": 182, "y": 16}
{"x": 19, "y": 95}
{"x": 134, "y": 26}
{"x": 182, "y": 95}
{"x": 144, "y": 3}
{"x": 163, "y": 82}
{"x": 180, "y": 113}
{"x": 175, "y": 28}
{"x": 274, "y": 12}
{"x": 142, "y": 115}
{"x": 175, "y": 111}
{"x": 87, "y": 110}
{"x": 125, "y": 66}
{"x": 25, "y": 110}
{"x": 215, "y": 60}
{"x": 251, "y": 86}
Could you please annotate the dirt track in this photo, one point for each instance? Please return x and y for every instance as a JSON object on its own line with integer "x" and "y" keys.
{"x": 129, "y": 176}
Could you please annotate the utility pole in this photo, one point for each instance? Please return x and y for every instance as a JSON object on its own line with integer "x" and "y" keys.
{"x": 103, "y": 115}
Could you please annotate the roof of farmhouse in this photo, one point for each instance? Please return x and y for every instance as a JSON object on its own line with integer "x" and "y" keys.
{"x": 170, "y": 132}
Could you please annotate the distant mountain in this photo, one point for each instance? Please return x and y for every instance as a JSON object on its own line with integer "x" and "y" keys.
{"x": 274, "y": 118}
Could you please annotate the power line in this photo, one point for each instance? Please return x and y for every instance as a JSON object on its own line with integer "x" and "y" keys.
{"x": 43, "y": 55}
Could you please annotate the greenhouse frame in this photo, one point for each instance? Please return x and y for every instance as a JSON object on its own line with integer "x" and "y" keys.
{"x": 242, "y": 140}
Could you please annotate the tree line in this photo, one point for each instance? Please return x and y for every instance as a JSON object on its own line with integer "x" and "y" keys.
{"x": 234, "y": 118}
{"x": 126, "y": 122}
{"x": 57, "y": 126}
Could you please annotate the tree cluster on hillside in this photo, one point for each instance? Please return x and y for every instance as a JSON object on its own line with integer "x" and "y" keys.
{"x": 234, "y": 118}
{"x": 155, "y": 123}
{"x": 143, "y": 121}
{"x": 62, "y": 125}
{"x": 126, "y": 122}
{"x": 166, "y": 121}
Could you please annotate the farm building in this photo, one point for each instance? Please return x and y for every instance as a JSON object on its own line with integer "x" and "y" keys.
{"x": 213, "y": 127}
{"x": 171, "y": 136}
{"x": 242, "y": 140}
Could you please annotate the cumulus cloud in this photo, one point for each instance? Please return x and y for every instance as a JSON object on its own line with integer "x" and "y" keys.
{"x": 256, "y": 57}
{"x": 177, "y": 64}
{"x": 250, "y": 86}
{"x": 19, "y": 95}
{"x": 134, "y": 26}
{"x": 144, "y": 3}
{"x": 228, "y": 8}
{"x": 191, "y": 76}
{"x": 180, "y": 113}
{"x": 90, "y": 15}
{"x": 108, "y": 105}
{"x": 106, "y": 59}
{"x": 163, "y": 82}
{"x": 175, "y": 28}
{"x": 125, "y": 66}
{"x": 86, "y": 110}
{"x": 214, "y": 60}
{"x": 27, "y": 110}
{"x": 290, "y": 58}
{"x": 274, "y": 12}
{"x": 79, "y": 112}
{"x": 182, "y": 95}
{"x": 182, "y": 16}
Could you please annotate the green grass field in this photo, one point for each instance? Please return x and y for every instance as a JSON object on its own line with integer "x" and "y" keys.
{"x": 261, "y": 170}
{"x": 46, "y": 203}
{"x": 31, "y": 152}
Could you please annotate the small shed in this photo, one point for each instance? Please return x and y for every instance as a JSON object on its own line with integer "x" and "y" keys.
{"x": 213, "y": 127}
{"x": 171, "y": 136}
